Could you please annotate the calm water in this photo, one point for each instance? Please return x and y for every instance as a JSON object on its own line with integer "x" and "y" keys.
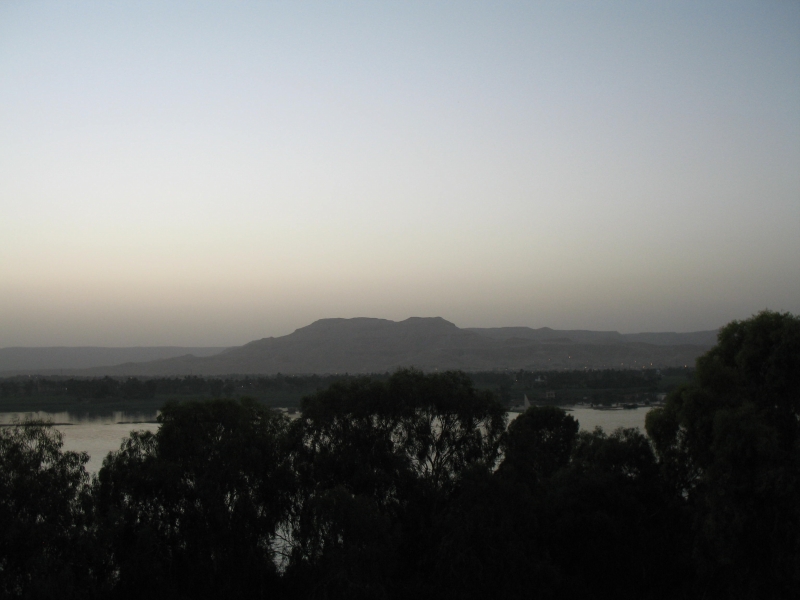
{"x": 96, "y": 434}
{"x": 99, "y": 435}
{"x": 609, "y": 420}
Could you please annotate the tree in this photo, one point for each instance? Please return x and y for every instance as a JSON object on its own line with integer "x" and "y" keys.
{"x": 492, "y": 543}
{"x": 194, "y": 509}
{"x": 45, "y": 539}
{"x": 567, "y": 515}
{"x": 609, "y": 525}
{"x": 388, "y": 454}
{"x": 539, "y": 442}
{"x": 730, "y": 443}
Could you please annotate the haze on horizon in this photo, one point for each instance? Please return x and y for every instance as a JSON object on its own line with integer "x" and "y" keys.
{"x": 198, "y": 173}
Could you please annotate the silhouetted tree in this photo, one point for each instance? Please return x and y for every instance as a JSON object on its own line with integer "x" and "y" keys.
{"x": 391, "y": 452}
{"x": 193, "y": 510}
{"x": 610, "y": 524}
{"x": 45, "y": 543}
{"x": 565, "y": 516}
{"x": 730, "y": 443}
{"x": 539, "y": 442}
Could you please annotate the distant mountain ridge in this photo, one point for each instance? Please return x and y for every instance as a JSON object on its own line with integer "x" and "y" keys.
{"x": 367, "y": 345}
{"x": 696, "y": 338}
{"x": 22, "y": 359}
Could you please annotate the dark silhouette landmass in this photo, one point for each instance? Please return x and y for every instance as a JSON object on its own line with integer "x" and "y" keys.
{"x": 50, "y": 360}
{"x": 583, "y": 336}
{"x": 365, "y": 345}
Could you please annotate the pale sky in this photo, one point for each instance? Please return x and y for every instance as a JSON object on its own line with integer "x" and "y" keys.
{"x": 192, "y": 173}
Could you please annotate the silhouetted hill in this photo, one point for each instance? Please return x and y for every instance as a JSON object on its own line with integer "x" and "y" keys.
{"x": 365, "y": 345}
{"x": 53, "y": 359}
{"x": 582, "y": 336}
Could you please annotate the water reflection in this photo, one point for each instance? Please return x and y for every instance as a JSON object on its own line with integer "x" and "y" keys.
{"x": 73, "y": 418}
{"x": 101, "y": 433}
{"x": 94, "y": 433}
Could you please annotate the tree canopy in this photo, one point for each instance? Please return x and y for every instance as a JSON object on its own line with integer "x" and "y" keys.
{"x": 730, "y": 443}
{"x": 45, "y": 506}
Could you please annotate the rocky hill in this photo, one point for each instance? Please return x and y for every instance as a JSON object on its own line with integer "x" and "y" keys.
{"x": 52, "y": 360}
{"x": 365, "y": 345}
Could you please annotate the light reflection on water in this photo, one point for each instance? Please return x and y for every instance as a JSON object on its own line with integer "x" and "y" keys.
{"x": 100, "y": 434}
{"x": 95, "y": 434}
{"x": 609, "y": 420}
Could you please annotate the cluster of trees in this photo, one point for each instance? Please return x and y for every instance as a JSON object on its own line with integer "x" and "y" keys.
{"x": 80, "y": 389}
{"x": 414, "y": 486}
{"x": 588, "y": 379}
{"x": 604, "y": 386}
{"x": 134, "y": 388}
{"x": 289, "y": 389}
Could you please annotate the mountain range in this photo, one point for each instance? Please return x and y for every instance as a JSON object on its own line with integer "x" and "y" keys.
{"x": 366, "y": 345}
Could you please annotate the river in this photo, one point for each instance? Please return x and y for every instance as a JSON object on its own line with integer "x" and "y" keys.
{"x": 100, "y": 434}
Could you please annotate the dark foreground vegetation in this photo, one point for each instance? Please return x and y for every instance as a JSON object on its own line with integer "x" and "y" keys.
{"x": 413, "y": 487}
{"x": 25, "y": 393}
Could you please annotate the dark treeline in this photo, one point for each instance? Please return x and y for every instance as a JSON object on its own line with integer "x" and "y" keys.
{"x": 287, "y": 390}
{"x": 596, "y": 386}
{"x": 413, "y": 486}
{"x": 589, "y": 379}
{"x": 131, "y": 388}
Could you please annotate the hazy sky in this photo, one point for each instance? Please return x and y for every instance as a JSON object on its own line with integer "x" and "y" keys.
{"x": 195, "y": 173}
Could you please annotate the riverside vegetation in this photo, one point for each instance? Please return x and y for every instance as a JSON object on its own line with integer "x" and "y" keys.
{"x": 413, "y": 486}
{"x": 23, "y": 393}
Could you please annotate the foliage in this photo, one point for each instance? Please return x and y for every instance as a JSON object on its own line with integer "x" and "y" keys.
{"x": 539, "y": 442}
{"x": 609, "y": 525}
{"x": 390, "y": 453}
{"x": 568, "y": 515}
{"x": 730, "y": 443}
{"x": 45, "y": 546}
{"x": 88, "y": 393}
{"x": 193, "y": 510}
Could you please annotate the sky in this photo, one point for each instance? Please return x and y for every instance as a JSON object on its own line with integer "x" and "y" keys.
{"x": 209, "y": 173}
